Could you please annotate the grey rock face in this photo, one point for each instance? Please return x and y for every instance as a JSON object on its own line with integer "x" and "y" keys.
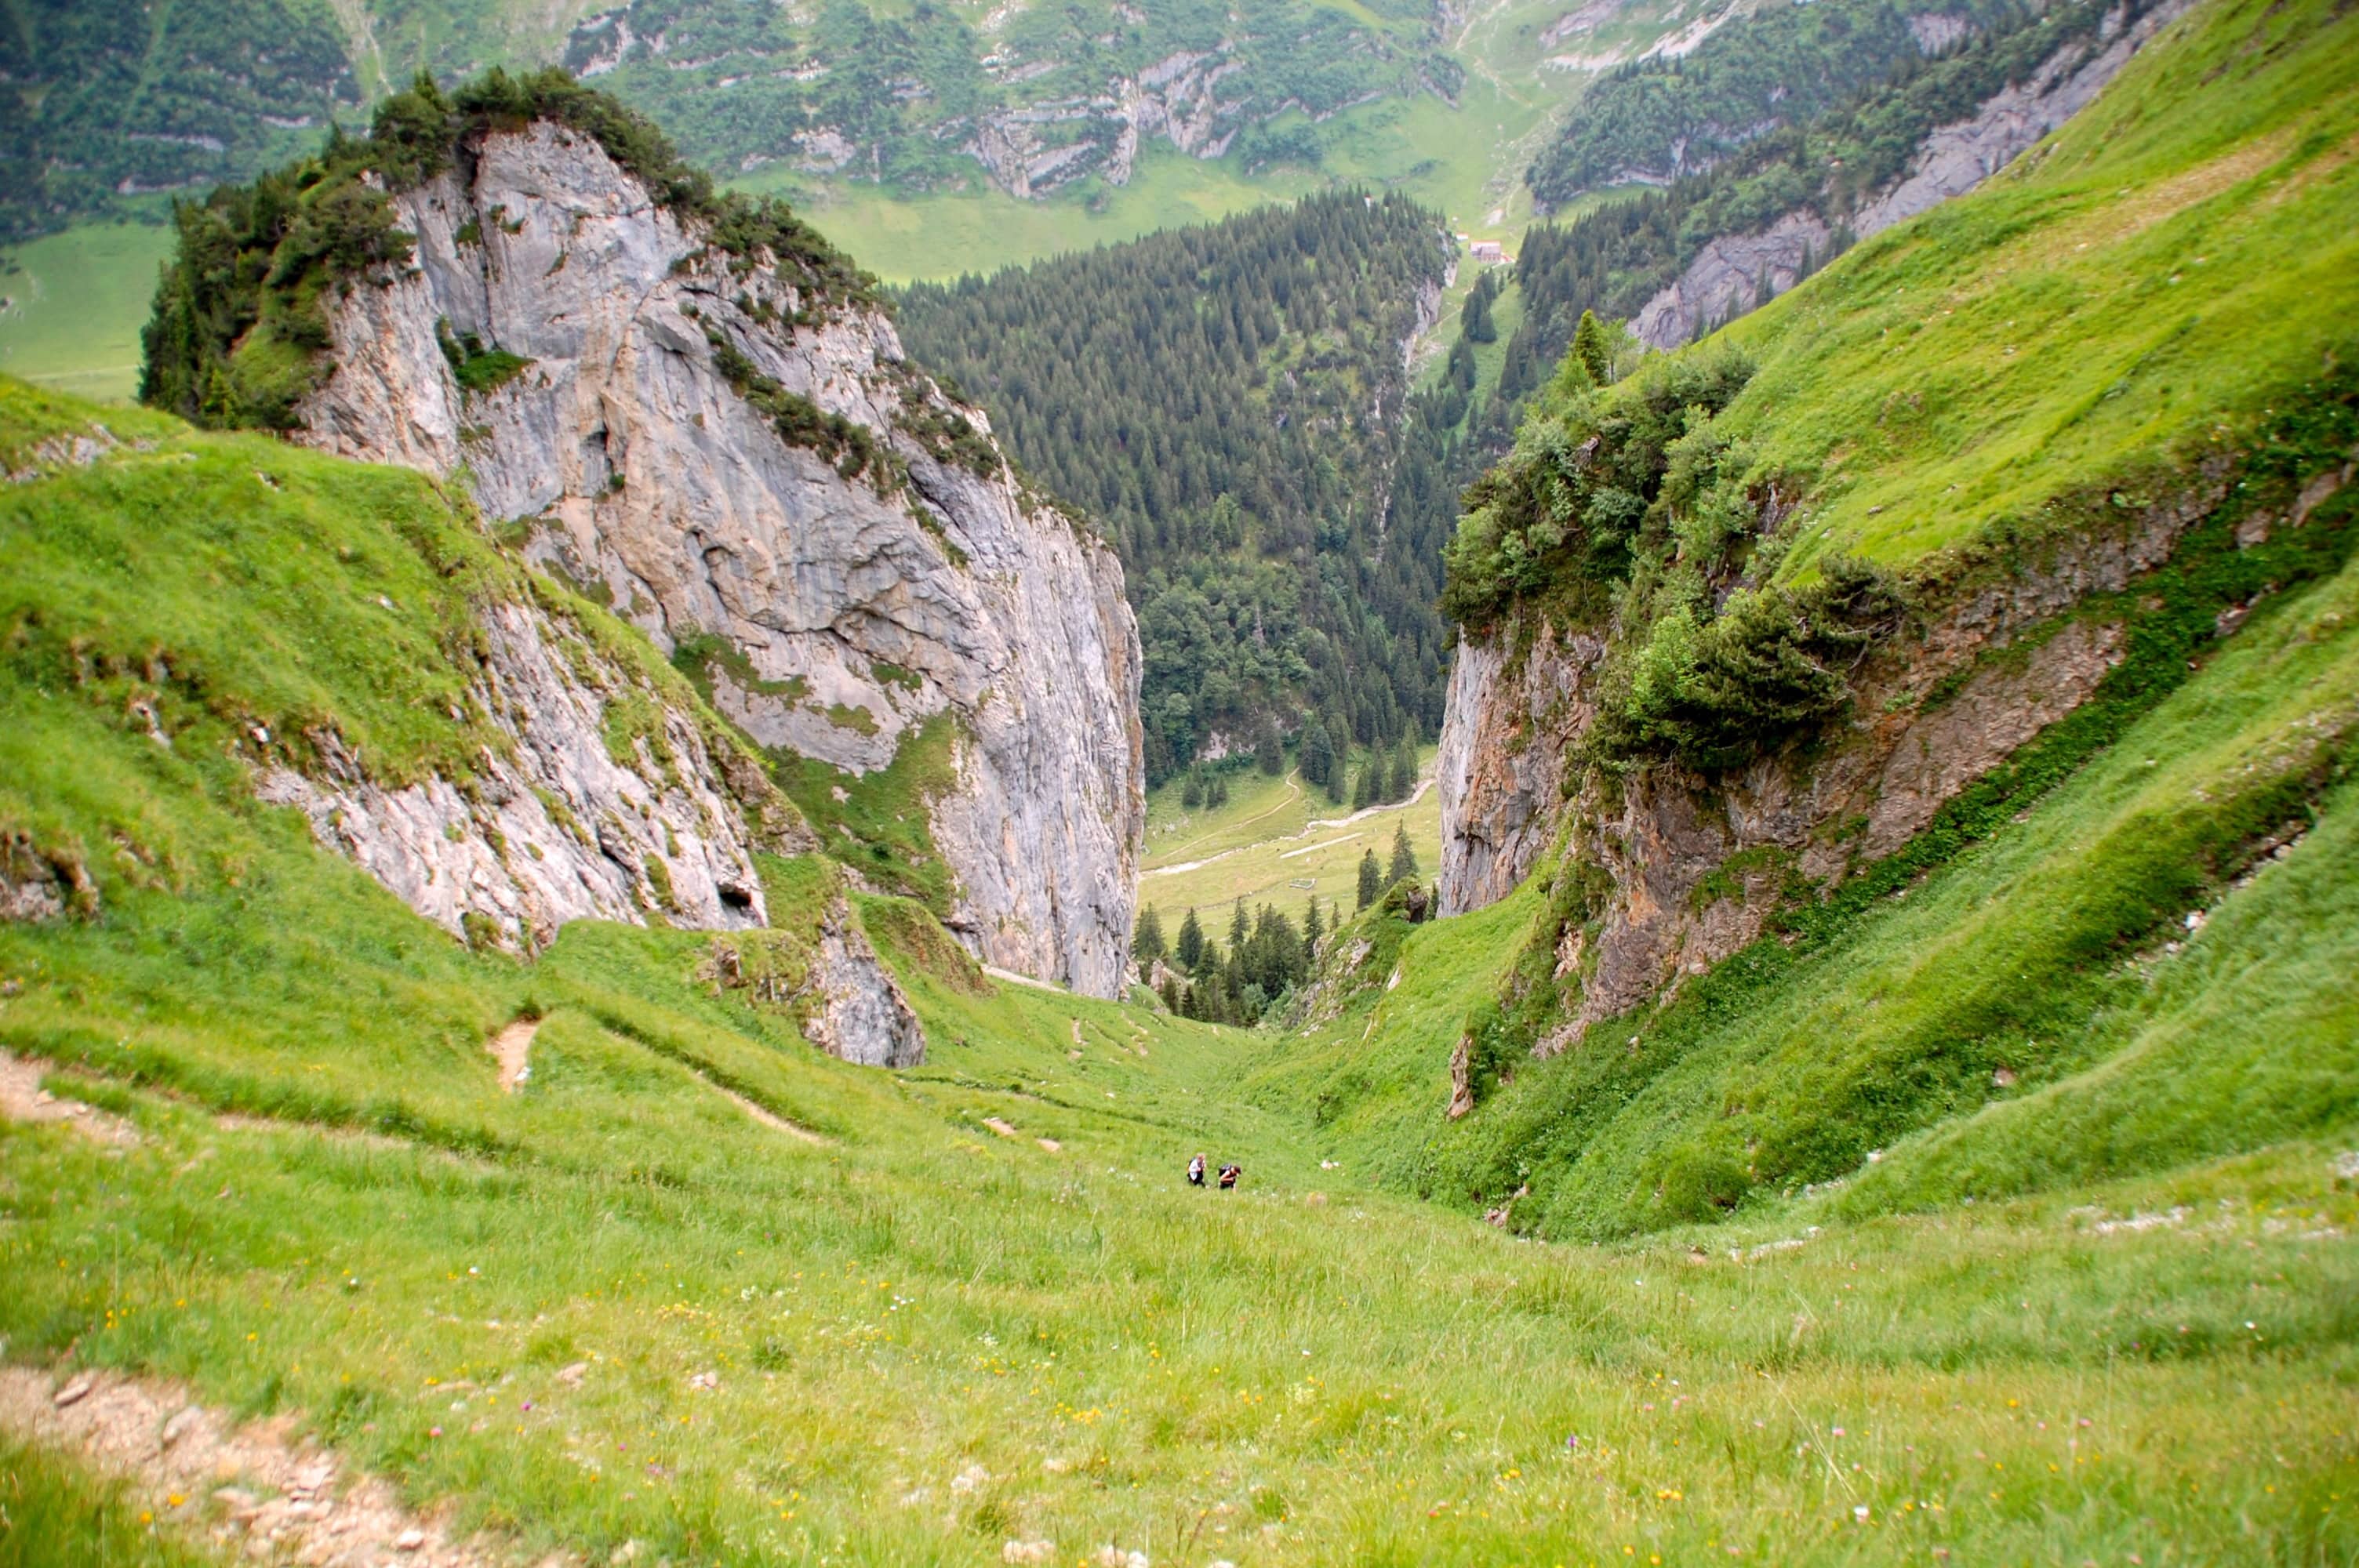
{"x": 557, "y": 827}
{"x": 1955, "y": 158}
{"x": 854, "y": 611}
{"x": 1728, "y": 276}
{"x": 855, "y": 1016}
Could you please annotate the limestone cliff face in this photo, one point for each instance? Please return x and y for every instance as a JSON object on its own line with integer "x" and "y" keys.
{"x": 703, "y": 439}
{"x": 581, "y": 814}
{"x": 1692, "y": 868}
{"x": 1735, "y": 272}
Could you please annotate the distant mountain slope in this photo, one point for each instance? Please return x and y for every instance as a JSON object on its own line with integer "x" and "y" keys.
{"x": 1656, "y": 119}
{"x": 102, "y": 104}
{"x": 1229, "y": 399}
{"x": 1711, "y": 246}
{"x": 1029, "y": 98}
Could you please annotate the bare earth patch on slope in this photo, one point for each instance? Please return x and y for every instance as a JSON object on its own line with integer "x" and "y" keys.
{"x": 259, "y": 1485}
{"x": 22, "y": 1098}
{"x": 512, "y": 1049}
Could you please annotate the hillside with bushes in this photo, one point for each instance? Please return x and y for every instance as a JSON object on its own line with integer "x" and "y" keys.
{"x": 1942, "y": 689}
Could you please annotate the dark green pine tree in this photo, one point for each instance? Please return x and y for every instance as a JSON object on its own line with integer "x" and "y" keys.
{"x": 1190, "y": 950}
{"x": 1404, "y": 862}
{"x": 1591, "y": 350}
{"x": 1312, "y": 934}
{"x": 1318, "y": 755}
{"x": 1338, "y": 782}
{"x": 1371, "y": 875}
{"x": 1269, "y": 748}
{"x": 1371, "y": 783}
{"x": 1147, "y": 944}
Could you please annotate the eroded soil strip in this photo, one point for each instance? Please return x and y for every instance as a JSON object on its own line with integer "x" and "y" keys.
{"x": 258, "y": 1486}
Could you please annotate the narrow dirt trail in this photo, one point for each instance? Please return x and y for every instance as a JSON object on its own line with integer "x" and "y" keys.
{"x": 1293, "y": 793}
{"x": 255, "y": 1486}
{"x": 22, "y": 1098}
{"x": 512, "y": 1049}
{"x": 769, "y": 1119}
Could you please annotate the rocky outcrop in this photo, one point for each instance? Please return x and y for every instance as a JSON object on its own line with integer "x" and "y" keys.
{"x": 702, "y": 438}
{"x": 1033, "y": 150}
{"x": 1730, "y": 276}
{"x": 40, "y": 882}
{"x": 1688, "y": 870}
{"x": 1957, "y": 157}
{"x": 603, "y": 802}
{"x": 823, "y": 970}
{"x": 853, "y": 1016}
{"x": 1733, "y": 274}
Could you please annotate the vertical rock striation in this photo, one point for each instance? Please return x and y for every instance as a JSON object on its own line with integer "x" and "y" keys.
{"x": 699, "y": 437}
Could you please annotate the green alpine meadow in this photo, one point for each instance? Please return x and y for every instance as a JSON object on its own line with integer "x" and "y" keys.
{"x": 1144, "y": 786}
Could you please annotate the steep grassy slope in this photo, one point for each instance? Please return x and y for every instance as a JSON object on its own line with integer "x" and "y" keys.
{"x": 2175, "y": 258}
{"x": 931, "y": 1336}
{"x": 2124, "y": 301}
{"x": 2124, "y": 948}
{"x": 2105, "y": 966}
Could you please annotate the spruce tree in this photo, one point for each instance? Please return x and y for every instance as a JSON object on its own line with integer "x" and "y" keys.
{"x": 1591, "y": 350}
{"x": 1318, "y": 755}
{"x": 1403, "y": 778}
{"x": 1147, "y": 944}
{"x": 1191, "y": 791}
{"x": 1404, "y": 862}
{"x": 1191, "y": 950}
{"x": 1339, "y": 736}
{"x": 1370, "y": 886}
{"x": 1312, "y": 935}
{"x": 1372, "y": 778}
{"x": 1269, "y": 749}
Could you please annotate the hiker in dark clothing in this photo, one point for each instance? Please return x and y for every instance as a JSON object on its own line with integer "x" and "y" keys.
{"x": 1229, "y": 1175}
{"x": 1196, "y": 1172}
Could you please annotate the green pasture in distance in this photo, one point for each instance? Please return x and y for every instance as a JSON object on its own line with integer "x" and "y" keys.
{"x": 75, "y": 302}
